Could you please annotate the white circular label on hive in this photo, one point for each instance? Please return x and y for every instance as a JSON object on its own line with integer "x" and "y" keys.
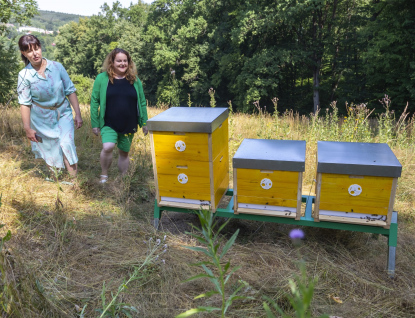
{"x": 180, "y": 145}
{"x": 266, "y": 183}
{"x": 355, "y": 190}
{"x": 182, "y": 178}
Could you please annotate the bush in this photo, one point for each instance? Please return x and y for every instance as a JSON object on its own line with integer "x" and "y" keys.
{"x": 83, "y": 87}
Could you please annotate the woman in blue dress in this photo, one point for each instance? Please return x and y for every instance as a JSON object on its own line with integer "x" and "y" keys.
{"x": 43, "y": 86}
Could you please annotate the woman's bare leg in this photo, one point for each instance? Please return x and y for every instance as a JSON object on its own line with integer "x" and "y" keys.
{"x": 72, "y": 169}
{"x": 106, "y": 157}
{"x": 123, "y": 161}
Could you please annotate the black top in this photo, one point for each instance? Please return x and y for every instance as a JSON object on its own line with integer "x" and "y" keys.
{"x": 121, "y": 112}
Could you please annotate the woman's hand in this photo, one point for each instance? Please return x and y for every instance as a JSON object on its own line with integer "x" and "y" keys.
{"x": 145, "y": 130}
{"x": 78, "y": 121}
{"x": 96, "y": 131}
{"x": 31, "y": 134}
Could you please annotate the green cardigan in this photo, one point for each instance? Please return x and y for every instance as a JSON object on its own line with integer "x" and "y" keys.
{"x": 99, "y": 101}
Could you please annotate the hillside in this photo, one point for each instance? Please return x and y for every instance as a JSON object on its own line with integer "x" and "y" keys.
{"x": 51, "y": 20}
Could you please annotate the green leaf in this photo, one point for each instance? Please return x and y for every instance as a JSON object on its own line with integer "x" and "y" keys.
{"x": 226, "y": 267}
{"x": 209, "y": 309}
{"x": 197, "y": 277}
{"x": 199, "y": 238}
{"x": 7, "y": 237}
{"x": 202, "y": 263}
{"x": 232, "y": 271}
{"x": 223, "y": 226}
{"x": 199, "y": 249}
{"x": 190, "y": 312}
{"x": 268, "y": 311}
{"x": 207, "y": 294}
{"x": 229, "y": 244}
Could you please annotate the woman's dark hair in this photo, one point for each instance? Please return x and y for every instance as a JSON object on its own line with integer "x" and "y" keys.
{"x": 108, "y": 66}
{"x": 26, "y": 42}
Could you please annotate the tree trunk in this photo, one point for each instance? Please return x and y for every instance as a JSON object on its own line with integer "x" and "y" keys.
{"x": 316, "y": 88}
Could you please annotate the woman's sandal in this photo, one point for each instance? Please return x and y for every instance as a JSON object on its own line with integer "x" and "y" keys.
{"x": 103, "y": 178}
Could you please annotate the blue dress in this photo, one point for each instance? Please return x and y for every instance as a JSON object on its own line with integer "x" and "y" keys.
{"x": 51, "y": 113}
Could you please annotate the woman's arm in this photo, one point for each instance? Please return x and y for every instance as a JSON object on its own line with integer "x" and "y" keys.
{"x": 30, "y": 133}
{"x": 73, "y": 99}
{"x": 95, "y": 105}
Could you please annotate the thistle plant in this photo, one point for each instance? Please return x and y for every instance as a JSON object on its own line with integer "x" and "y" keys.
{"x": 301, "y": 287}
{"x": 217, "y": 273}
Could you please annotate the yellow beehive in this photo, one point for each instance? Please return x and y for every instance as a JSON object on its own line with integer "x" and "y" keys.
{"x": 356, "y": 183}
{"x": 190, "y": 156}
{"x": 268, "y": 177}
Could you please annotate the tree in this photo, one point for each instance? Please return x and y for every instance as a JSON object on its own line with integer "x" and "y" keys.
{"x": 389, "y": 61}
{"x": 19, "y": 11}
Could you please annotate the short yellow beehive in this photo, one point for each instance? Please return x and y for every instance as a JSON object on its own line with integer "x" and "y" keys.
{"x": 356, "y": 183}
{"x": 267, "y": 177}
{"x": 190, "y": 156}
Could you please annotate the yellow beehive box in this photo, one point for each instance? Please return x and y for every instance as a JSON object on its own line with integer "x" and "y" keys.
{"x": 190, "y": 156}
{"x": 356, "y": 183}
{"x": 267, "y": 177}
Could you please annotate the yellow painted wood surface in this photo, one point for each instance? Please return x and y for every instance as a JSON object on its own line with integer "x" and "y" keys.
{"x": 220, "y": 139}
{"x": 190, "y": 168}
{"x": 374, "y": 198}
{"x": 197, "y": 187}
{"x": 196, "y": 146}
{"x": 220, "y": 168}
{"x": 267, "y": 201}
{"x": 221, "y": 189}
{"x": 284, "y": 184}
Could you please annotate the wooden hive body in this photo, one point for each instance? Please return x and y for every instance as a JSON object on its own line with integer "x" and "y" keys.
{"x": 356, "y": 183}
{"x": 190, "y": 156}
{"x": 268, "y": 177}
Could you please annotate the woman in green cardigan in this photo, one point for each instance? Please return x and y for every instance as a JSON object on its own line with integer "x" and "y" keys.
{"x": 118, "y": 108}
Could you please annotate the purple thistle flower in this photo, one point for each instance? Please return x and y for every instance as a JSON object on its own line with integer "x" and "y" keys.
{"x": 297, "y": 234}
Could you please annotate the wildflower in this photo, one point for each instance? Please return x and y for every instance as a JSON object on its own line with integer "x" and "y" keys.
{"x": 165, "y": 246}
{"x": 158, "y": 241}
{"x": 145, "y": 242}
{"x": 164, "y": 262}
{"x": 164, "y": 238}
{"x": 297, "y": 234}
{"x": 156, "y": 258}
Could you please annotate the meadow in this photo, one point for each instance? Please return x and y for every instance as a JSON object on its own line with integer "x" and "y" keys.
{"x": 79, "y": 250}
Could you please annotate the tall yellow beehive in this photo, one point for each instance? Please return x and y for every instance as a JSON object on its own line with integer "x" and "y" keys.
{"x": 356, "y": 183}
{"x": 267, "y": 177}
{"x": 190, "y": 156}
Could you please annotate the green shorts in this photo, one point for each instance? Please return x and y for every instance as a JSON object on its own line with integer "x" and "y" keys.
{"x": 123, "y": 141}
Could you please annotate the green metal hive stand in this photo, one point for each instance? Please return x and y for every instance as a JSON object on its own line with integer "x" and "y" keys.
{"x": 306, "y": 220}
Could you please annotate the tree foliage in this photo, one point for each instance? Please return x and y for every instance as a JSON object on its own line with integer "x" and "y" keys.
{"x": 307, "y": 53}
{"x": 19, "y": 11}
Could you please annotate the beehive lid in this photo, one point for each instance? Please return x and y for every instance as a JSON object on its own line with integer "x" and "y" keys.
{"x": 266, "y": 154}
{"x": 357, "y": 158}
{"x": 188, "y": 119}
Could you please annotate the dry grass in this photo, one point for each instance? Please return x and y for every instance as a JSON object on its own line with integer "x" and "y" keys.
{"x": 58, "y": 258}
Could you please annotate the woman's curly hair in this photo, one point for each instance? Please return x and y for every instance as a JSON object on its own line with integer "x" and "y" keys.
{"x": 108, "y": 66}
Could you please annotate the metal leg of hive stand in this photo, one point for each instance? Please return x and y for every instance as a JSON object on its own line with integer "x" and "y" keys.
{"x": 157, "y": 215}
{"x": 392, "y": 242}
